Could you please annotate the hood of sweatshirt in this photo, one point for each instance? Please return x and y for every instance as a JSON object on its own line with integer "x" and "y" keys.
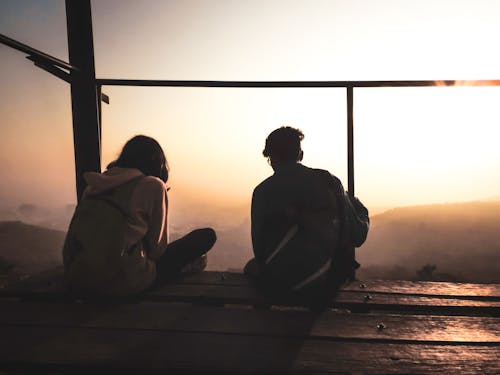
{"x": 100, "y": 182}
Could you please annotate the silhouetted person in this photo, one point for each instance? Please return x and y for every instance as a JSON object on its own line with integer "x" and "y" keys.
{"x": 304, "y": 225}
{"x": 117, "y": 242}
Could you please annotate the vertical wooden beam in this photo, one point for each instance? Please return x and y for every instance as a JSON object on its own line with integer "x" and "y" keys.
{"x": 351, "y": 252}
{"x": 99, "y": 107}
{"x": 350, "y": 141}
{"x": 83, "y": 90}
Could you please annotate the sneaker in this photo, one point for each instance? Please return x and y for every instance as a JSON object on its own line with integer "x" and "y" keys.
{"x": 195, "y": 266}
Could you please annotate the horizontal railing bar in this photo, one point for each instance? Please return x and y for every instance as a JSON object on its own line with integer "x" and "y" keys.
{"x": 267, "y": 84}
{"x": 35, "y": 53}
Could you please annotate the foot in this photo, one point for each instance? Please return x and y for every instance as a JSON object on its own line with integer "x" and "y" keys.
{"x": 197, "y": 265}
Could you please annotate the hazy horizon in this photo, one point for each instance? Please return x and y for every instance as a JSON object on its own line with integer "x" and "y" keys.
{"x": 457, "y": 242}
{"x": 187, "y": 216}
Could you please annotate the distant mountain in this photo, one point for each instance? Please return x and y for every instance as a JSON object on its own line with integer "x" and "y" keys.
{"x": 232, "y": 249}
{"x": 54, "y": 217}
{"x": 29, "y": 249}
{"x": 462, "y": 240}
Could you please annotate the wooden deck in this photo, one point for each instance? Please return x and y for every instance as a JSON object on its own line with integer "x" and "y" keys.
{"x": 218, "y": 323}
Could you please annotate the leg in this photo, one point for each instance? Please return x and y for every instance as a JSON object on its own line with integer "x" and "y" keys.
{"x": 252, "y": 269}
{"x": 183, "y": 251}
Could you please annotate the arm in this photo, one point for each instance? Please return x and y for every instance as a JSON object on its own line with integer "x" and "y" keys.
{"x": 357, "y": 219}
{"x": 257, "y": 227}
{"x": 157, "y": 235}
{"x": 354, "y": 213}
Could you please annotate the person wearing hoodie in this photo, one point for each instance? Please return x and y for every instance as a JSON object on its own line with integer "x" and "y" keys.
{"x": 133, "y": 193}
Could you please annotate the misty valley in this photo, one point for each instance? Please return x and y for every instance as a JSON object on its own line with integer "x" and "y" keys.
{"x": 458, "y": 242}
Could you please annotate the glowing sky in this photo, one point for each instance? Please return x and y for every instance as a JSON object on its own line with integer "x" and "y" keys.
{"x": 413, "y": 145}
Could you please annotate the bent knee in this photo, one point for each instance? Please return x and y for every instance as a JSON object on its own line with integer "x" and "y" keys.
{"x": 209, "y": 236}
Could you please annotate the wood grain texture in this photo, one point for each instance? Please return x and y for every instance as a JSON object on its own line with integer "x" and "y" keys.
{"x": 51, "y": 282}
{"x": 158, "y": 350}
{"x": 344, "y": 299}
{"x": 428, "y": 288}
{"x": 404, "y": 327}
{"x": 385, "y": 286}
{"x": 330, "y": 325}
{"x": 220, "y": 294}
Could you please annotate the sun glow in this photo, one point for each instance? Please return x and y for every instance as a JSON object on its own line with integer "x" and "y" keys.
{"x": 462, "y": 83}
{"x": 412, "y": 145}
{"x": 426, "y": 145}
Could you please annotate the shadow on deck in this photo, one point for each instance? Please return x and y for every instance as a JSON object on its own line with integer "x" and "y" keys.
{"x": 218, "y": 323}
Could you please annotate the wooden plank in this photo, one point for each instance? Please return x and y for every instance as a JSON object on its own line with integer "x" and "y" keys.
{"x": 424, "y": 288}
{"x": 329, "y": 325}
{"x": 210, "y": 288}
{"x": 150, "y": 350}
{"x": 351, "y": 300}
{"x": 427, "y": 288}
{"x": 216, "y": 278}
{"x": 51, "y": 281}
{"x": 220, "y": 295}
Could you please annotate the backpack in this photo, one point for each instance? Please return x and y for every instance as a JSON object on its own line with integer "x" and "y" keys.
{"x": 301, "y": 252}
{"x": 320, "y": 252}
{"x": 95, "y": 242}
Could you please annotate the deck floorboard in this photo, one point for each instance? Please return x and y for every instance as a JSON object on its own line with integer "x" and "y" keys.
{"x": 153, "y": 349}
{"x": 217, "y": 322}
{"x": 332, "y": 325}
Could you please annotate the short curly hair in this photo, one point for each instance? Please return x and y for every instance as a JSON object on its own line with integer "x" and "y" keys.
{"x": 283, "y": 144}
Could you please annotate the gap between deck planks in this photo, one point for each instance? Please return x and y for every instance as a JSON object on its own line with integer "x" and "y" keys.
{"x": 232, "y": 288}
{"x": 51, "y": 281}
{"x": 148, "y": 350}
{"x": 424, "y": 288}
{"x": 330, "y": 325}
{"x": 147, "y": 336}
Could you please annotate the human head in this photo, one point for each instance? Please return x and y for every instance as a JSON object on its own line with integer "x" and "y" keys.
{"x": 145, "y": 154}
{"x": 283, "y": 145}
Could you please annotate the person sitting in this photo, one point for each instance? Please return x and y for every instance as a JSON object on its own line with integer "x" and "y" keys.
{"x": 304, "y": 226}
{"x": 118, "y": 240}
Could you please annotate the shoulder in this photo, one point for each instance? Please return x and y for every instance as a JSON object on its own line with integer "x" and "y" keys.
{"x": 334, "y": 179}
{"x": 328, "y": 179}
{"x": 152, "y": 181}
{"x": 263, "y": 186}
{"x": 151, "y": 186}
{"x": 326, "y": 175}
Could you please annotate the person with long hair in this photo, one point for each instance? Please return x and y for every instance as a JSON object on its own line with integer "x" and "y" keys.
{"x": 118, "y": 240}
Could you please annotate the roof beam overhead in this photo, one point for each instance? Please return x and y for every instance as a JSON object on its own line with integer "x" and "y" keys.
{"x": 35, "y": 54}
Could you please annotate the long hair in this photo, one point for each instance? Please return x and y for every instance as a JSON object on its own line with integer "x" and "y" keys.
{"x": 145, "y": 154}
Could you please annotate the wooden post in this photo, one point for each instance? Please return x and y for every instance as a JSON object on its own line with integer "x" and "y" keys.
{"x": 350, "y": 141}
{"x": 351, "y": 255}
{"x": 83, "y": 90}
{"x": 99, "y": 108}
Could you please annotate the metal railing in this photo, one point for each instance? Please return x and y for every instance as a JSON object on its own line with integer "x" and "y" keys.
{"x": 349, "y": 85}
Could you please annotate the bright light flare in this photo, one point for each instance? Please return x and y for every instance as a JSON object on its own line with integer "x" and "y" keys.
{"x": 458, "y": 83}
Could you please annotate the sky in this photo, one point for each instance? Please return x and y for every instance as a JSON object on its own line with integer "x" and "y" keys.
{"x": 412, "y": 145}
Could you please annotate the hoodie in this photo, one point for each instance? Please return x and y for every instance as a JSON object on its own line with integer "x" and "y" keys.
{"x": 146, "y": 233}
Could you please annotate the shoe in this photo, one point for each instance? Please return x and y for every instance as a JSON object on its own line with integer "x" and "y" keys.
{"x": 197, "y": 265}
